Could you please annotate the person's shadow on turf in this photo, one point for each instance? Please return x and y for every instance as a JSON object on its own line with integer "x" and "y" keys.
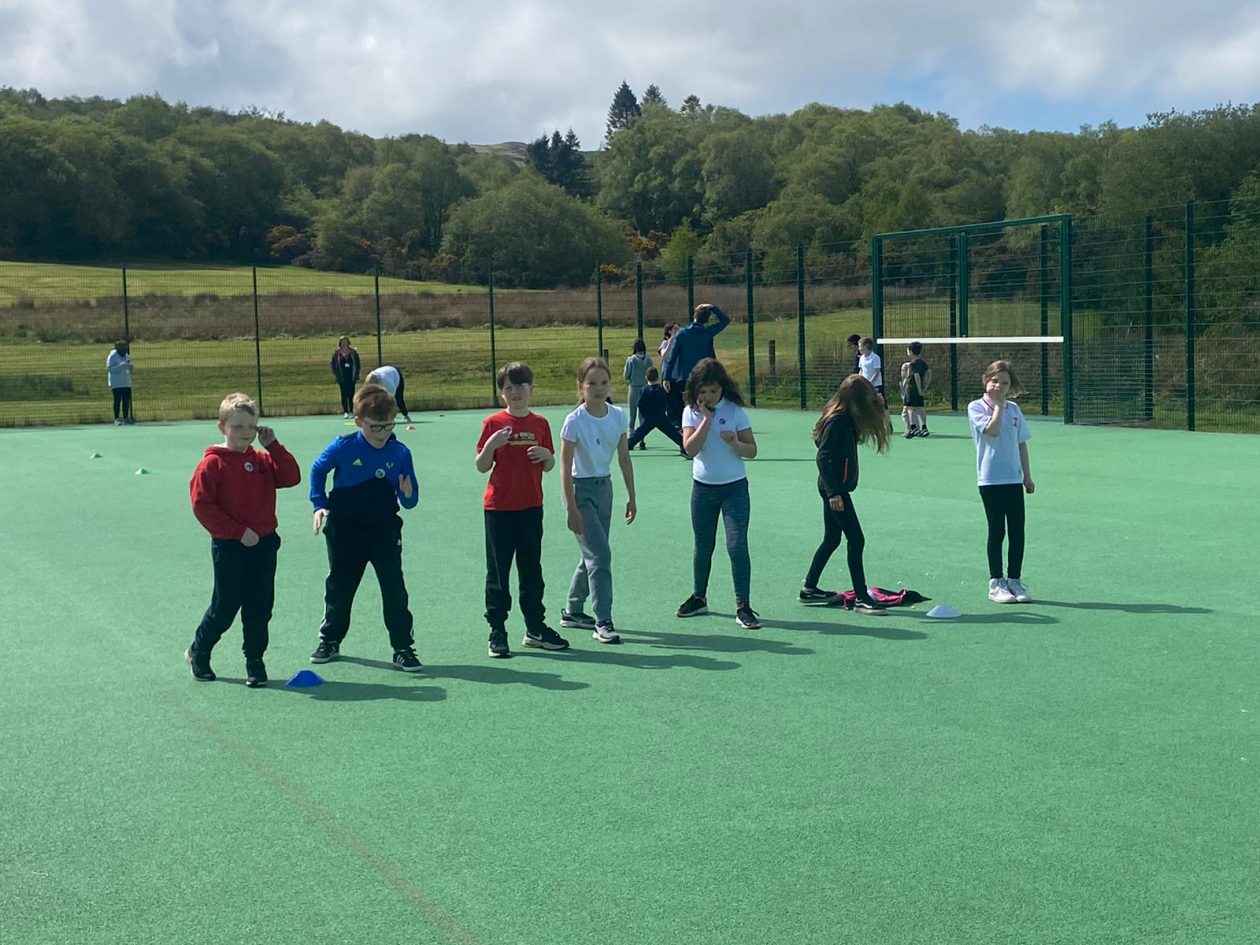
{"x": 497, "y": 674}
{"x": 333, "y": 690}
{"x": 714, "y": 642}
{"x": 1007, "y": 615}
{"x": 1125, "y": 608}
{"x": 627, "y": 656}
{"x": 861, "y": 626}
{"x": 490, "y": 673}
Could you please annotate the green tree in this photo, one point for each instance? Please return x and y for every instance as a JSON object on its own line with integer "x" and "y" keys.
{"x": 650, "y": 174}
{"x": 531, "y": 234}
{"x": 652, "y": 96}
{"x": 685, "y": 243}
{"x": 623, "y": 111}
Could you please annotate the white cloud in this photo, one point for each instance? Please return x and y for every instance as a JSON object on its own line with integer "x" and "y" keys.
{"x": 487, "y": 71}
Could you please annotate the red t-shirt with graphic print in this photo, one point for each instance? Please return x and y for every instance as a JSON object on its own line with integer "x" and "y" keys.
{"x": 515, "y": 482}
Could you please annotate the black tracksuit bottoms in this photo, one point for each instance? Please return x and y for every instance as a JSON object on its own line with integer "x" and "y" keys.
{"x": 244, "y": 583}
{"x": 352, "y": 545}
{"x": 515, "y": 534}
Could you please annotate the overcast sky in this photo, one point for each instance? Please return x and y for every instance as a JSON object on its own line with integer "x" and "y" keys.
{"x": 486, "y": 72}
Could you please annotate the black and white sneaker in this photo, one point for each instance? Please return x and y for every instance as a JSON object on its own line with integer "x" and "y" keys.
{"x": 746, "y": 617}
{"x": 577, "y": 621}
{"x": 498, "y": 647}
{"x": 200, "y": 666}
{"x": 406, "y": 660}
{"x": 326, "y": 652}
{"x": 255, "y": 674}
{"x": 545, "y": 639}
{"x": 693, "y": 606}
{"x": 606, "y": 633}
{"x": 869, "y": 607}
{"x": 813, "y": 597}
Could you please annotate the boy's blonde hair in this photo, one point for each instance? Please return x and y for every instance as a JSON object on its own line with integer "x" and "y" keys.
{"x": 234, "y": 402}
{"x": 374, "y": 402}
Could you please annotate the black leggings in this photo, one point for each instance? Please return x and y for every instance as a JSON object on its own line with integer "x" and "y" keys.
{"x": 122, "y": 403}
{"x": 835, "y": 526}
{"x": 654, "y": 422}
{"x": 399, "y": 399}
{"x": 1004, "y": 508}
{"x": 347, "y": 394}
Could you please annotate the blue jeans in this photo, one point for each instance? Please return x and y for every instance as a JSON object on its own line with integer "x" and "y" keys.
{"x": 731, "y": 500}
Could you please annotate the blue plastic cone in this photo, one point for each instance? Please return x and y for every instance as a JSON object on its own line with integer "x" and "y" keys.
{"x": 305, "y": 678}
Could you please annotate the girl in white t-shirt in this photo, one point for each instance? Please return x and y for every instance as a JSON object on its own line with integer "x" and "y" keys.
{"x": 718, "y": 436}
{"x": 590, "y": 437}
{"x": 1001, "y": 436}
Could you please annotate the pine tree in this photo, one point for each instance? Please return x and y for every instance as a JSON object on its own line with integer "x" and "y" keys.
{"x": 652, "y": 96}
{"x": 691, "y": 105}
{"x": 624, "y": 110}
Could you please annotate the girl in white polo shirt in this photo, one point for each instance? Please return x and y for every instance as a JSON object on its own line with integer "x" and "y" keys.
{"x": 718, "y": 436}
{"x": 590, "y": 437}
{"x": 1001, "y": 436}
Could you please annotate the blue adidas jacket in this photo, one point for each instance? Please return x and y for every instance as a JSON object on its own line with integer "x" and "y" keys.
{"x": 365, "y": 479}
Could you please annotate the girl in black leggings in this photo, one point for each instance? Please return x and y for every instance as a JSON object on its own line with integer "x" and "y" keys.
{"x": 853, "y": 415}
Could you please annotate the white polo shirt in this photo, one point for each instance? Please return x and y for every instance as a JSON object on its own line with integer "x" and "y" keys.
{"x": 594, "y": 440}
{"x": 717, "y": 463}
{"x": 997, "y": 457}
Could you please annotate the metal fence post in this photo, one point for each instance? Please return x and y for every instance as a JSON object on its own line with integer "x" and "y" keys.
{"x": 376, "y": 292}
{"x": 800, "y": 320}
{"x": 257, "y": 343}
{"x": 599, "y": 312}
{"x": 494, "y": 360}
{"x": 1065, "y": 315}
{"x": 638, "y": 295}
{"x": 1148, "y": 319}
{"x": 752, "y": 340}
{"x": 952, "y": 268}
{"x": 691, "y": 287}
{"x": 1044, "y": 280}
{"x": 126, "y": 309}
{"x": 1190, "y": 315}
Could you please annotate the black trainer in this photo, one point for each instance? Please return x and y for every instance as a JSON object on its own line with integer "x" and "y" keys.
{"x": 545, "y": 639}
{"x": 869, "y": 606}
{"x": 746, "y": 617}
{"x": 406, "y": 660}
{"x": 326, "y": 652}
{"x": 693, "y": 606}
{"x": 498, "y": 647}
{"x": 814, "y": 597}
{"x": 577, "y": 621}
{"x": 200, "y": 666}
{"x": 255, "y": 674}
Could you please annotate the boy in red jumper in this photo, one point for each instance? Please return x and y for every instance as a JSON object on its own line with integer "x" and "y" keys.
{"x": 233, "y": 494}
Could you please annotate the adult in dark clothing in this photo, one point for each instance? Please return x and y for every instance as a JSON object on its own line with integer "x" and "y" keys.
{"x": 653, "y": 414}
{"x": 692, "y": 345}
{"x": 345, "y": 367}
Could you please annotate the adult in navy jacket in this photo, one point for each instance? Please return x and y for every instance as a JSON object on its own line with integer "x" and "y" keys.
{"x": 694, "y": 343}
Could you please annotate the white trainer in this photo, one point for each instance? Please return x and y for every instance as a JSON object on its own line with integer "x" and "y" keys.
{"x": 1016, "y": 587}
{"x": 999, "y": 593}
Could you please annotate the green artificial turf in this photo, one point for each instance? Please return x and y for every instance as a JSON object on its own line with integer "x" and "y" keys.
{"x": 1082, "y": 769}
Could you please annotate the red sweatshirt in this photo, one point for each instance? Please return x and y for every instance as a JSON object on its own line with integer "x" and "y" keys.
{"x": 234, "y": 491}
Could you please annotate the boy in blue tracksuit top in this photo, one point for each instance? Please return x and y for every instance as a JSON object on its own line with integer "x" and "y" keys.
{"x": 372, "y": 474}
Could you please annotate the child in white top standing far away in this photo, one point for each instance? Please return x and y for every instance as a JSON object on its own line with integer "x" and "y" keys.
{"x": 870, "y": 366}
{"x": 1001, "y": 436}
{"x": 718, "y": 436}
{"x": 590, "y": 437}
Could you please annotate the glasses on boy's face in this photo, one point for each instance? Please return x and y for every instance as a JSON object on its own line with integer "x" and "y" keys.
{"x": 381, "y": 427}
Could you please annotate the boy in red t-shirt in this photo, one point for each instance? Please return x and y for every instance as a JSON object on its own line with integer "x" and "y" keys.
{"x": 233, "y": 493}
{"x": 515, "y": 447}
